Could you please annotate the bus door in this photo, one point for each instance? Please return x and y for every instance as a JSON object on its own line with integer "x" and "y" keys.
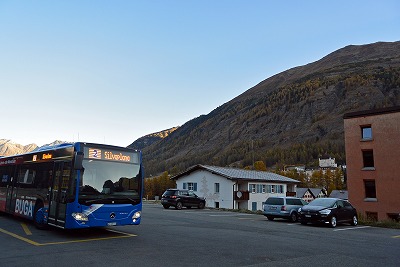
{"x": 58, "y": 193}
{"x": 11, "y": 191}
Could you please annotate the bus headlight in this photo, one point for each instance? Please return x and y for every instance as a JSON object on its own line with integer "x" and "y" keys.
{"x": 80, "y": 216}
{"x": 136, "y": 215}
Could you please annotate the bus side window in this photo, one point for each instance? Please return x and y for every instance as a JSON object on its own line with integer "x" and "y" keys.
{"x": 26, "y": 176}
{"x": 41, "y": 179}
{"x": 4, "y": 179}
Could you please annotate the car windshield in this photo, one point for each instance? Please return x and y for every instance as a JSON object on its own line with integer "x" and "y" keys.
{"x": 109, "y": 182}
{"x": 323, "y": 202}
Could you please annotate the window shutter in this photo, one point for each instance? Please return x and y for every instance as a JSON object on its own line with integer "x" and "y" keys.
{"x": 195, "y": 187}
{"x": 184, "y": 185}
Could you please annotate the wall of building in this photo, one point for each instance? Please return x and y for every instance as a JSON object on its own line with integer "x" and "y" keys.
{"x": 206, "y": 188}
{"x": 308, "y": 197}
{"x": 385, "y": 144}
{"x": 259, "y": 198}
{"x": 224, "y": 199}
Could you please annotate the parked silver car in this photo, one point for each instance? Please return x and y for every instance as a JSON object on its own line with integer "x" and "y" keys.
{"x": 283, "y": 207}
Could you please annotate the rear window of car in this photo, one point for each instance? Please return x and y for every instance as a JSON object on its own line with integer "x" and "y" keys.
{"x": 170, "y": 192}
{"x": 274, "y": 201}
{"x": 291, "y": 201}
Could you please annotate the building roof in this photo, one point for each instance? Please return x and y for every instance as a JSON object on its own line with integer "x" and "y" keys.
{"x": 239, "y": 174}
{"x": 343, "y": 194}
{"x": 301, "y": 191}
{"x": 316, "y": 191}
{"x": 371, "y": 112}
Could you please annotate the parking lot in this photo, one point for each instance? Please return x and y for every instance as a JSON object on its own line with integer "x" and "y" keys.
{"x": 199, "y": 238}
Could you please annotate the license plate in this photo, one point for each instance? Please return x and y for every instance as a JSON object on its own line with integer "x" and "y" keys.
{"x": 308, "y": 216}
{"x": 272, "y": 208}
{"x": 111, "y": 223}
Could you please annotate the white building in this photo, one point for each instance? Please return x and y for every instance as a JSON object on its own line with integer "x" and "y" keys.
{"x": 309, "y": 194}
{"x": 231, "y": 188}
{"x": 327, "y": 163}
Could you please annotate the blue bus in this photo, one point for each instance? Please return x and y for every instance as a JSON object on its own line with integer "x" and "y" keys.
{"x": 72, "y": 186}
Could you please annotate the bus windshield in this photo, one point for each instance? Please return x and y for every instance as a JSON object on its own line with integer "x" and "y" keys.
{"x": 105, "y": 182}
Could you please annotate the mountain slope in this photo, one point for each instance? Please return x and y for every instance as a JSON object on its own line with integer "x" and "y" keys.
{"x": 294, "y": 116}
{"x": 149, "y": 139}
{"x": 8, "y": 147}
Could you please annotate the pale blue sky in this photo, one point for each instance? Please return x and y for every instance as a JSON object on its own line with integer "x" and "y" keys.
{"x": 113, "y": 71}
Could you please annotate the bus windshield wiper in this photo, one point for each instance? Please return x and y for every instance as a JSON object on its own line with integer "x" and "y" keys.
{"x": 94, "y": 200}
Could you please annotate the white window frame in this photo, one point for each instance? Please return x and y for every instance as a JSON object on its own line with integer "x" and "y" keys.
{"x": 252, "y": 188}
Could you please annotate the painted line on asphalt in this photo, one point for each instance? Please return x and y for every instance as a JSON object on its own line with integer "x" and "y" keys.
{"x": 124, "y": 235}
{"x": 201, "y": 212}
{"x": 86, "y": 240}
{"x": 352, "y": 228}
{"x": 232, "y": 215}
{"x": 19, "y": 237}
{"x": 26, "y": 229}
{"x": 396, "y": 236}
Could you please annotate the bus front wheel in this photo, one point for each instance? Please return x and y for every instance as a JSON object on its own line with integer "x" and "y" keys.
{"x": 38, "y": 216}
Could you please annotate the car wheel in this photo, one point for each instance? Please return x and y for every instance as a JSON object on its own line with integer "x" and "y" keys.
{"x": 166, "y": 206}
{"x": 201, "y": 205}
{"x": 354, "y": 222}
{"x": 333, "y": 222}
{"x": 178, "y": 205}
{"x": 293, "y": 217}
{"x": 271, "y": 218}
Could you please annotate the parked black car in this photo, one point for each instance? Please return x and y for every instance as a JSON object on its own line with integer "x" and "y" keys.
{"x": 182, "y": 198}
{"x": 328, "y": 210}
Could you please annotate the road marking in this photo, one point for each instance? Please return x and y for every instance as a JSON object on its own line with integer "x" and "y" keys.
{"x": 86, "y": 240}
{"x": 231, "y": 215}
{"x": 200, "y": 212}
{"x": 352, "y": 228}
{"x": 26, "y": 229}
{"x": 124, "y": 235}
{"x": 20, "y": 237}
{"x": 396, "y": 236}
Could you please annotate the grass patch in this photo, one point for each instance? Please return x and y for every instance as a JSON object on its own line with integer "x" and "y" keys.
{"x": 384, "y": 224}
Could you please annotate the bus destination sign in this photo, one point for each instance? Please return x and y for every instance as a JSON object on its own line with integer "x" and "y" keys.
{"x": 111, "y": 155}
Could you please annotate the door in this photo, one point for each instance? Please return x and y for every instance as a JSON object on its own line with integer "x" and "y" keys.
{"x": 11, "y": 191}
{"x": 58, "y": 193}
{"x": 341, "y": 211}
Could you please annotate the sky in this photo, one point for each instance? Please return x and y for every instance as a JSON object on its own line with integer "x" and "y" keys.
{"x": 113, "y": 71}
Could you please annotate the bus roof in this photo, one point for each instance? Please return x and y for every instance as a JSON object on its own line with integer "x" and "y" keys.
{"x": 63, "y": 145}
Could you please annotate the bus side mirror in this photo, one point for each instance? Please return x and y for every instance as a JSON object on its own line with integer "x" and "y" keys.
{"x": 78, "y": 160}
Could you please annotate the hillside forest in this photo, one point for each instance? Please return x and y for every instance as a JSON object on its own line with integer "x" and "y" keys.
{"x": 323, "y": 139}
